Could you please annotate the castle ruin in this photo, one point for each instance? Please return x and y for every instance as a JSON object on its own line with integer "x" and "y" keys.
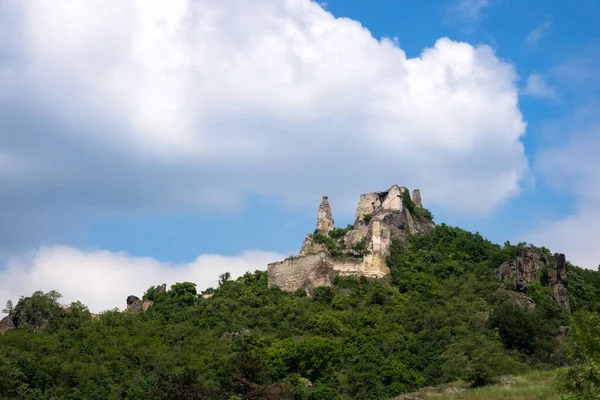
{"x": 359, "y": 249}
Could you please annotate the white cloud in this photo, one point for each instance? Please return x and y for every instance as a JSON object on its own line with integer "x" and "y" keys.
{"x": 119, "y": 106}
{"x": 535, "y": 35}
{"x": 472, "y": 9}
{"x": 576, "y": 236}
{"x": 573, "y": 169}
{"x": 102, "y": 280}
{"x": 466, "y": 12}
{"x": 538, "y": 87}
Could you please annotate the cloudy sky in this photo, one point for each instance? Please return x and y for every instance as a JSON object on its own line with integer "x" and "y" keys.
{"x": 145, "y": 141}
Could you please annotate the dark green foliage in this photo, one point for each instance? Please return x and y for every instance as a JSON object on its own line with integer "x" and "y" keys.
{"x": 151, "y": 294}
{"x": 531, "y": 332}
{"x": 326, "y": 240}
{"x": 360, "y": 247}
{"x": 338, "y": 233}
{"x": 337, "y": 247}
{"x": 435, "y": 319}
{"x": 41, "y": 310}
{"x": 584, "y": 288}
{"x": 367, "y": 218}
{"x": 479, "y": 358}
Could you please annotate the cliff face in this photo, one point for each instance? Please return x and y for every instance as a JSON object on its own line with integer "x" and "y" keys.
{"x": 359, "y": 249}
{"x": 558, "y": 282}
{"x": 528, "y": 267}
{"x": 524, "y": 270}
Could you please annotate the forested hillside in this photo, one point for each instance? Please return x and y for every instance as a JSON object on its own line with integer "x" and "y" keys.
{"x": 441, "y": 316}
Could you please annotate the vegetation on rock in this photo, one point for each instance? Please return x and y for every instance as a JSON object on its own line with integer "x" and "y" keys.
{"x": 334, "y": 242}
{"x": 413, "y": 208}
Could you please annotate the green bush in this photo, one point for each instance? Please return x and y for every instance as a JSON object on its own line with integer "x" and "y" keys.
{"x": 367, "y": 218}
{"x": 329, "y": 243}
{"x": 338, "y": 233}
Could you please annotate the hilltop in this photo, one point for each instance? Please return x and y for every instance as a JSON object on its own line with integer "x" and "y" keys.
{"x": 423, "y": 305}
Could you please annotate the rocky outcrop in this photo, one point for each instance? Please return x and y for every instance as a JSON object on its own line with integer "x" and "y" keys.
{"x": 380, "y": 218}
{"x": 234, "y": 335}
{"x": 324, "y": 218}
{"x": 325, "y": 225}
{"x": 33, "y": 313}
{"x": 137, "y": 305}
{"x": 557, "y": 279}
{"x": 529, "y": 266}
{"x": 525, "y": 269}
{"x": 519, "y": 299}
{"x": 7, "y": 324}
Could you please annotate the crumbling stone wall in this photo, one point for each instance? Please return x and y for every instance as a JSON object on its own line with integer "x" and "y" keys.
{"x": 416, "y": 198}
{"x": 389, "y": 219}
{"x": 303, "y": 273}
{"x": 371, "y": 203}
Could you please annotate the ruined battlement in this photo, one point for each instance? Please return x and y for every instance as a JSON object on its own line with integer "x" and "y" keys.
{"x": 372, "y": 203}
{"x": 361, "y": 249}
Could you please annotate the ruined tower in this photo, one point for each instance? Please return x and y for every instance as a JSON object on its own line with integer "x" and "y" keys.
{"x": 416, "y": 198}
{"x": 360, "y": 249}
{"x": 324, "y": 218}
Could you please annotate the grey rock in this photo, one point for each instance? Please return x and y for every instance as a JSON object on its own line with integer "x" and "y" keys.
{"x": 506, "y": 380}
{"x": 519, "y": 299}
{"x": 7, "y": 324}
{"x": 557, "y": 280}
{"x": 161, "y": 288}
{"x": 325, "y": 222}
{"x": 234, "y": 335}
{"x": 527, "y": 268}
{"x": 416, "y": 198}
{"x": 136, "y": 305}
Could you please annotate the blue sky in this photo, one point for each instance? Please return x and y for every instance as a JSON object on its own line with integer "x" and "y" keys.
{"x": 140, "y": 140}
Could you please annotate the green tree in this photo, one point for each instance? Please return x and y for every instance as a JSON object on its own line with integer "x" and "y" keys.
{"x": 583, "y": 378}
{"x": 38, "y": 311}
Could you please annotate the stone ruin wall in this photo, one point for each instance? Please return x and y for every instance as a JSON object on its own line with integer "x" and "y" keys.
{"x": 316, "y": 267}
{"x": 371, "y": 203}
{"x": 311, "y": 271}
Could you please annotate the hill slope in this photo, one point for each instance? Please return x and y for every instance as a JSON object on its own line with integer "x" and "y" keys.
{"x": 440, "y": 316}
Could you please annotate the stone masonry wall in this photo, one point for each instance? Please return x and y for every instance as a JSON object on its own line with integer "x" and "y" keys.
{"x": 302, "y": 273}
{"x": 388, "y": 219}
